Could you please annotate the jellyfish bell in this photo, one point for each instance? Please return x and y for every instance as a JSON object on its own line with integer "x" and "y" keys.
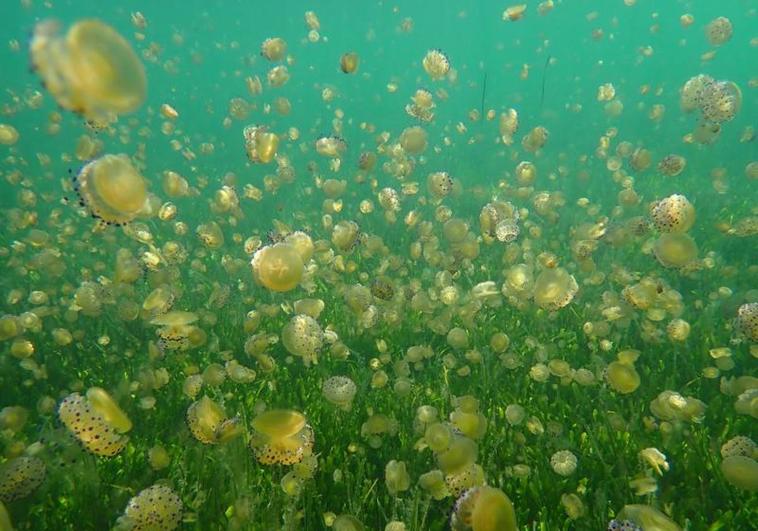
{"x": 278, "y": 267}
{"x": 91, "y": 429}
{"x": 19, "y": 477}
{"x": 91, "y": 69}
{"x": 675, "y": 249}
{"x": 108, "y": 409}
{"x": 340, "y": 391}
{"x": 554, "y": 288}
{"x": 302, "y": 336}
{"x": 155, "y": 508}
{"x": 281, "y": 436}
{"x": 622, "y": 377}
{"x": 483, "y": 508}
{"x": 349, "y": 63}
{"x": 648, "y": 518}
{"x": 673, "y": 214}
{"x": 436, "y": 64}
{"x": 112, "y": 189}
{"x": 274, "y": 48}
{"x": 331, "y": 146}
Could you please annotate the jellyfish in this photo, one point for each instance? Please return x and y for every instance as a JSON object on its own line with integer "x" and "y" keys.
{"x": 19, "y": 477}
{"x": 673, "y": 214}
{"x": 278, "y": 267}
{"x": 302, "y": 336}
{"x": 672, "y": 165}
{"x": 260, "y": 144}
{"x": 719, "y": 31}
{"x": 439, "y": 184}
{"x": 554, "y": 289}
{"x": 349, "y": 63}
{"x": 483, "y": 509}
{"x": 89, "y": 425}
{"x": 91, "y": 70}
{"x": 622, "y": 377}
{"x": 331, "y": 146}
{"x": 281, "y": 436}
{"x": 647, "y": 518}
{"x": 563, "y": 462}
{"x": 470, "y": 476}
{"x": 112, "y": 189}
{"x": 340, "y": 391}
{"x": 747, "y": 320}
{"x": 274, "y": 48}
{"x": 209, "y": 423}
{"x": 675, "y": 250}
{"x": 155, "y": 508}
{"x": 436, "y": 64}
{"x": 413, "y": 140}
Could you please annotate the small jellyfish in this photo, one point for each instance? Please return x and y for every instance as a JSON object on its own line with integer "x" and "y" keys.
{"x": 302, "y": 336}
{"x": 622, "y": 377}
{"x": 91, "y": 69}
{"x": 89, "y": 426}
{"x": 331, "y": 146}
{"x": 747, "y": 320}
{"x": 209, "y": 423}
{"x": 340, "y": 391}
{"x": 673, "y": 214}
{"x": 413, "y": 140}
{"x": 507, "y": 231}
{"x": 155, "y": 508}
{"x": 274, "y": 48}
{"x": 554, "y": 288}
{"x": 483, "y": 508}
{"x": 281, "y": 436}
{"x": 719, "y": 31}
{"x": 514, "y": 12}
{"x": 439, "y": 184}
{"x": 112, "y": 189}
{"x": 349, "y": 63}
{"x": 675, "y": 249}
{"x": 672, "y": 165}
{"x": 436, "y": 64}
{"x": 19, "y": 477}
{"x": 278, "y": 267}
{"x": 563, "y": 462}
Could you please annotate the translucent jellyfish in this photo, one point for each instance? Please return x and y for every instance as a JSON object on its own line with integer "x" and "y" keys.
{"x": 281, "y": 436}
{"x": 260, "y": 144}
{"x": 433, "y": 482}
{"x": 673, "y": 214}
{"x": 470, "y": 476}
{"x": 90, "y": 427}
{"x": 413, "y": 140}
{"x": 691, "y": 96}
{"x": 112, "y": 189}
{"x": 554, "y": 288}
{"x": 156, "y": 508}
{"x": 719, "y": 31}
{"x": 90, "y": 70}
{"x": 747, "y": 320}
{"x": 274, "y": 48}
{"x": 563, "y": 462}
{"x": 8, "y": 134}
{"x": 720, "y": 101}
{"x": 209, "y": 423}
{"x": 302, "y": 336}
{"x": 19, "y": 477}
{"x": 346, "y": 522}
{"x": 535, "y": 139}
{"x": 175, "y": 318}
{"x": 436, "y": 64}
{"x": 672, "y": 165}
{"x": 507, "y": 231}
{"x": 514, "y": 12}
{"x": 647, "y": 518}
{"x": 741, "y": 471}
{"x": 278, "y": 267}
{"x": 622, "y": 377}
{"x": 439, "y": 184}
{"x": 331, "y": 146}
{"x": 340, "y": 391}
{"x": 349, "y": 62}
{"x": 483, "y": 509}
{"x": 382, "y": 288}
{"x": 740, "y": 445}
{"x": 396, "y": 477}
{"x": 675, "y": 250}
{"x": 345, "y": 235}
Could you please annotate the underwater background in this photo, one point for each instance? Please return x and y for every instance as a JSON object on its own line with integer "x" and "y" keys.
{"x": 596, "y": 366}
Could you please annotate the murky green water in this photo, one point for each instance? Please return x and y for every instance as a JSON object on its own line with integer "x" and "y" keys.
{"x": 507, "y": 285}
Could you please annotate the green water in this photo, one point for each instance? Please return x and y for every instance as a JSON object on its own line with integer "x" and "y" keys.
{"x": 197, "y": 56}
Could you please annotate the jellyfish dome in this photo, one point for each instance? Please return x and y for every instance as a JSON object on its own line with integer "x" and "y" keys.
{"x": 278, "y": 267}
{"x": 112, "y": 189}
{"x": 340, "y": 391}
{"x": 303, "y": 337}
{"x": 483, "y": 509}
{"x": 554, "y": 289}
{"x": 673, "y": 214}
{"x": 747, "y": 320}
{"x": 156, "y": 508}
{"x": 90, "y": 70}
{"x": 19, "y": 477}
{"x": 281, "y": 436}
{"x": 90, "y": 427}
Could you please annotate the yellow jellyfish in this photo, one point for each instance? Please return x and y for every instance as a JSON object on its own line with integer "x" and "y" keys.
{"x": 484, "y": 509}
{"x": 302, "y": 336}
{"x": 563, "y": 462}
{"x": 349, "y": 63}
{"x": 622, "y": 377}
{"x": 155, "y": 508}
{"x": 331, "y": 146}
{"x": 19, "y": 477}
{"x": 91, "y": 69}
{"x": 112, "y": 189}
{"x": 439, "y": 184}
{"x": 90, "y": 428}
{"x": 274, "y": 48}
{"x": 648, "y": 518}
{"x": 675, "y": 249}
{"x": 278, "y": 267}
{"x": 260, "y": 144}
{"x": 111, "y": 413}
{"x": 554, "y": 288}
{"x": 747, "y": 320}
{"x": 281, "y": 436}
{"x": 209, "y": 423}
{"x": 8, "y": 134}
{"x": 673, "y": 214}
{"x": 413, "y": 139}
{"x": 436, "y": 64}
{"x": 719, "y": 31}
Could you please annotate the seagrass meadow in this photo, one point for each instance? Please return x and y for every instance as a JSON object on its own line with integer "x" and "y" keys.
{"x": 378, "y": 265}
